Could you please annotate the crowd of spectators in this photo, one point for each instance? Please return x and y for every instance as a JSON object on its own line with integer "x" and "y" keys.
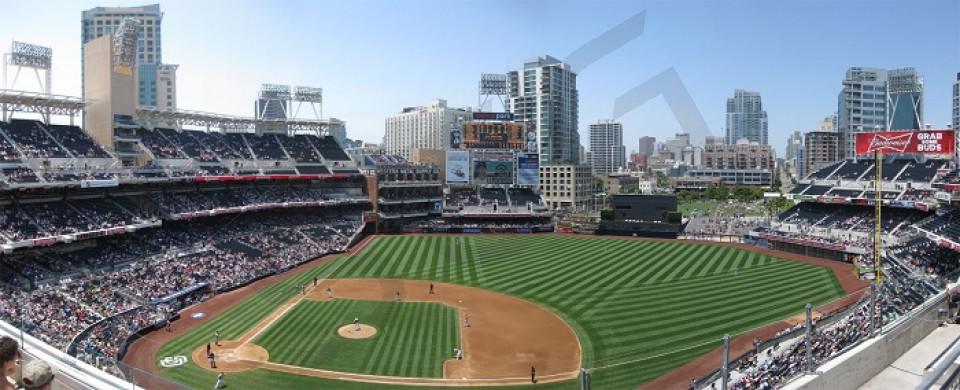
{"x": 124, "y": 280}
{"x": 783, "y": 361}
{"x": 462, "y": 197}
{"x": 33, "y": 140}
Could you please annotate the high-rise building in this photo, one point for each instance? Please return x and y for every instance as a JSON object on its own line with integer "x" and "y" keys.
{"x": 820, "y": 148}
{"x": 544, "y": 96}
{"x": 956, "y": 103}
{"x": 100, "y": 21}
{"x": 874, "y": 99}
{"x": 861, "y": 107}
{"x": 904, "y": 99}
{"x": 426, "y": 127}
{"x": 794, "y": 153}
{"x": 607, "y": 153}
{"x": 648, "y": 146}
{"x": 746, "y": 118}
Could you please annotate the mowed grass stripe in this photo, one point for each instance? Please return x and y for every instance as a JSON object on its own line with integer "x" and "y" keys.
{"x": 667, "y": 297}
{"x": 627, "y": 299}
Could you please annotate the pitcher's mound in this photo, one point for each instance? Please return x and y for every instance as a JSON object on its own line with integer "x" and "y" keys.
{"x": 350, "y": 331}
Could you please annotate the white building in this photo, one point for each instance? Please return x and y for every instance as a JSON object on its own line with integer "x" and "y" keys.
{"x": 607, "y": 153}
{"x": 566, "y": 185}
{"x": 426, "y": 127}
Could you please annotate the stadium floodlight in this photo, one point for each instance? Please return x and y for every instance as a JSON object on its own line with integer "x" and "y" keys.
{"x": 492, "y": 84}
{"x": 35, "y": 57}
{"x": 275, "y": 92}
{"x": 312, "y": 96}
{"x": 308, "y": 94}
{"x": 125, "y": 46}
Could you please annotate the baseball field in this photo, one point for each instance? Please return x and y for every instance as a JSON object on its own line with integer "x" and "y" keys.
{"x": 628, "y": 310}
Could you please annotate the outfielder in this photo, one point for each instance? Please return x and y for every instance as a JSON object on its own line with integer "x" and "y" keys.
{"x": 221, "y": 382}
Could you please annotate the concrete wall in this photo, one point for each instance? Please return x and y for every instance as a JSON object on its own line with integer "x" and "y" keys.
{"x": 859, "y": 365}
{"x": 108, "y": 91}
{"x": 98, "y": 115}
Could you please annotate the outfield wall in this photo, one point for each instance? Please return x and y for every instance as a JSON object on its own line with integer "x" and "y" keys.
{"x": 865, "y": 361}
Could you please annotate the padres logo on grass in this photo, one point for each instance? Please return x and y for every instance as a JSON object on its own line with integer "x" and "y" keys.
{"x": 173, "y": 361}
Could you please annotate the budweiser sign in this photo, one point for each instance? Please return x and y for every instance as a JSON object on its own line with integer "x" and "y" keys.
{"x": 935, "y": 142}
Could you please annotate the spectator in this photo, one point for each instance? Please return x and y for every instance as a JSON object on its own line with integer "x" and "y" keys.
{"x": 37, "y": 375}
{"x": 10, "y": 358}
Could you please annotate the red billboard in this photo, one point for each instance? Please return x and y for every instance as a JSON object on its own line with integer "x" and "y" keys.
{"x": 937, "y": 142}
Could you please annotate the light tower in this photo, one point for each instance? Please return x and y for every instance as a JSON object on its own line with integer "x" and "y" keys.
{"x": 33, "y": 57}
{"x": 492, "y": 85}
{"x": 313, "y": 97}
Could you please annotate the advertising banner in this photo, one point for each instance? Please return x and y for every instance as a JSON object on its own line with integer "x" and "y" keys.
{"x": 528, "y": 169}
{"x": 929, "y": 142}
{"x": 493, "y": 172}
{"x": 458, "y": 167}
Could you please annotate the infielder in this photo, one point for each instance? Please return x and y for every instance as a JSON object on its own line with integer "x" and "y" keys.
{"x": 221, "y": 382}
{"x": 356, "y": 323}
{"x": 216, "y": 336}
{"x": 466, "y": 320}
{"x": 329, "y": 293}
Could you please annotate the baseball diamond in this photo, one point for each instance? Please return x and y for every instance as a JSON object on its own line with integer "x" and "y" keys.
{"x": 636, "y": 309}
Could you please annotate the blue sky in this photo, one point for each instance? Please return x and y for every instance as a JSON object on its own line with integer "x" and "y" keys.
{"x": 374, "y": 57}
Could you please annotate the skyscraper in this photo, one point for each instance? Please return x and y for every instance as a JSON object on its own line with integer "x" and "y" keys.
{"x": 956, "y": 103}
{"x": 100, "y": 21}
{"x": 647, "y": 145}
{"x": 861, "y": 107}
{"x": 875, "y": 99}
{"x": 794, "y": 153}
{"x": 904, "y": 99}
{"x": 544, "y": 96}
{"x": 746, "y": 118}
{"x": 607, "y": 152}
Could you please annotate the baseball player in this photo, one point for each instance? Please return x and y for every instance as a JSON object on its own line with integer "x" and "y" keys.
{"x": 459, "y": 354}
{"x": 221, "y": 382}
{"x": 213, "y": 360}
{"x": 314, "y": 281}
{"x": 466, "y": 320}
{"x": 216, "y": 336}
{"x": 431, "y": 288}
{"x": 329, "y": 293}
{"x": 533, "y": 374}
{"x": 208, "y": 349}
{"x": 398, "y": 296}
{"x": 356, "y": 323}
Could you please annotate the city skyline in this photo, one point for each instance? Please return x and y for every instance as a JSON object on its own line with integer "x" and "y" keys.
{"x": 224, "y": 55}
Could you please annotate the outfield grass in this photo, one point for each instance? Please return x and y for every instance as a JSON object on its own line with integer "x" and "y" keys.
{"x": 640, "y": 308}
{"x": 413, "y": 338}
